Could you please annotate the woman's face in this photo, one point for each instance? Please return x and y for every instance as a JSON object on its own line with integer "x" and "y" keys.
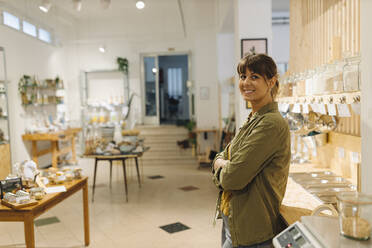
{"x": 253, "y": 87}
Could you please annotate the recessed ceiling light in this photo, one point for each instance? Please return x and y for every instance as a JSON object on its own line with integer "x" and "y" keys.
{"x": 140, "y": 4}
{"x": 78, "y": 4}
{"x": 102, "y": 49}
{"x": 45, "y": 5}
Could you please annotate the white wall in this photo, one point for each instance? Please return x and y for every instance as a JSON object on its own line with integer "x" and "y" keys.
{"x": 26, "y": 55}
{"x": 226, "y": 68}
{"x": 366, "y": 113}
{"x": 123, "y": 39}
{"x": 252, "y": 20}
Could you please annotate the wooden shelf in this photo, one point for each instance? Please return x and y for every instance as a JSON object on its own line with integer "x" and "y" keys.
{"x": 346, "y": 97}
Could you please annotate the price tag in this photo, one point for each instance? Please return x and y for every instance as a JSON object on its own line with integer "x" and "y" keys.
{"x": 305, "y": 108}
{"x": 343, "y": 110}
{"x": 296, "y": 108}
{"x": 322, "y": 109}
{"x": 283, "y": 107}
{"x": 332, "y": 109}
{"x": 314, "y": 107}
{"x": 356, "y": 108}
{"x": 341, "y": 152}
{"x": 354, "y": 157}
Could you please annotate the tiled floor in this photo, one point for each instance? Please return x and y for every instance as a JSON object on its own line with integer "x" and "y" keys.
{"x": 136, "y": 224}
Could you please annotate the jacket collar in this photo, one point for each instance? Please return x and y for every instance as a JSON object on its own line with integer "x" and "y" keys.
{"x": 270, "y": 107}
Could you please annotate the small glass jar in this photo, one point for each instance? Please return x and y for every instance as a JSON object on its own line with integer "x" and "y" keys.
{"x": 355, "y": 215}
{"x": 351, "y": 74}
{"x": 301, "y": 84}
{"x": 319, "y": 80}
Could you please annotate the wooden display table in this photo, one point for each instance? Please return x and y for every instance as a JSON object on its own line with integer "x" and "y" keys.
{"x": 65, "y": 135}
{"x": 28, "y": 214}
{"x": 111, "y": 158}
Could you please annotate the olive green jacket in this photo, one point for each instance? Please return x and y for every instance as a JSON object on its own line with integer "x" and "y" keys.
{"x": 256, "y": 175}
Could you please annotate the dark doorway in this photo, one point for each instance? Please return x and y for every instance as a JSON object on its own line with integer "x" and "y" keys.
{"x": 173, "y": 97}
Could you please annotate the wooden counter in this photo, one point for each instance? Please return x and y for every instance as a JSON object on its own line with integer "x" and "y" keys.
{"x": 297, "y": 201}
{"x": 53, "y": 137}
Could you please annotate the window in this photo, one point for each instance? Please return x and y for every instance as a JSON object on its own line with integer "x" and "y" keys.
{"x": 11, "y": 20}
{"x": 29, "y": 28}
{"x": 44, "y": 35}
{"x": 175, "y": 82}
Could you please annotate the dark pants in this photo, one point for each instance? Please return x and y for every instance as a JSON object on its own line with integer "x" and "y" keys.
{"x": 226, "y": 238}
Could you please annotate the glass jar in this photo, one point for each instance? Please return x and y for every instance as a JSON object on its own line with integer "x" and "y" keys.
{"x": 309, "y": 82}
{"x": 301, "y": 84}
{"x": 355, "y": 215}
{"x": 351, "y": 74}
{"x": 290, "y": 86}
{"x": 319, "y": 80}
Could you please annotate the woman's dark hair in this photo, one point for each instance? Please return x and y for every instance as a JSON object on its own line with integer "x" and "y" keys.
{"x": 261, "y": 64}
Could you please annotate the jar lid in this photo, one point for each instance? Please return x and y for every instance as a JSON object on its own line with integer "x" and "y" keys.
{"x": 354, "y": 198}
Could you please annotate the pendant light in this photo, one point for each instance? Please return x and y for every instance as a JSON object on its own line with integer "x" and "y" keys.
{"x": 45, "y": 5}
{"x": 77, "y": 4}
{"x": 140, "y": 4}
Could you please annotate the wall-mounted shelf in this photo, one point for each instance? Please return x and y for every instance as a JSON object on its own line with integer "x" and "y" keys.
{"x": 345, "y": 98}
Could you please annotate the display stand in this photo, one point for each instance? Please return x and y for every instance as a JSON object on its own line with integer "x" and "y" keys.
{"x": 64, "y": 135}
{"x": 5, "y": 155}
{"x": 97, "y": 102}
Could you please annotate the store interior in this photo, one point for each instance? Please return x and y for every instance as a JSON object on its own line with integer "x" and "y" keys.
{"x": 123, "y": 104}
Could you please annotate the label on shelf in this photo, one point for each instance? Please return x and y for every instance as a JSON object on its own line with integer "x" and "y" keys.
{"x": 341, "y": 152}
{"x": 296, "y": 108}
{"x": 354, "y": 157}
{"x": 343, "y": 110}
{"x": 322, "y": 109}
{"x": 314, "y": 107}
{"x": 305, "y": 108}
{"x": 332, "y": 109}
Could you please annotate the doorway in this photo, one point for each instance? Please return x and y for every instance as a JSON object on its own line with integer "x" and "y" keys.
{"x": 166, "y": 99}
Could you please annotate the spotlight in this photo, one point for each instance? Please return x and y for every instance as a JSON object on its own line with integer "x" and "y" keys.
{"x": 45, "y": 5}
{"x": 78, "y": 4}
{"x": 102, "y": 49}
{"x": 140, "y": 4}
{"x": 105, "y": 4}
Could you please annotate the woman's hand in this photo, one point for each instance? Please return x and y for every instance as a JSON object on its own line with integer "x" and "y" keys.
{"x": 219, "y": 163}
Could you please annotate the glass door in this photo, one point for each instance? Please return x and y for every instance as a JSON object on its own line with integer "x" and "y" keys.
{"x": 151, "y": 88}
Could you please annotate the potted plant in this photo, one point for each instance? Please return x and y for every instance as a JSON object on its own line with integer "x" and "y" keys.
{"x": 123, "y": 64}
{"x": 190, "y": 126}
{"x": 23, "y": 84}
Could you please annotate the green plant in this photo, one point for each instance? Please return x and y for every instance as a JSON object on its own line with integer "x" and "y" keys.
{"x": 190, "y": 125}
{"x": 123, "y": 64}
{"x": 24, "y": 82}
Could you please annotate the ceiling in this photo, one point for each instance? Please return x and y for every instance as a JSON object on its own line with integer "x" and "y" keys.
{"x": 117, "y": 8}
{"x": 91, "y": 8}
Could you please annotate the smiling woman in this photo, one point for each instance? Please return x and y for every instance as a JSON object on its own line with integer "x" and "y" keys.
{"x": 252, "y": 171}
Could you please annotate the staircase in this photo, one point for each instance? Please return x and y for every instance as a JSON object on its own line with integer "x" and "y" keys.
{"x": 164, "y": 150}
